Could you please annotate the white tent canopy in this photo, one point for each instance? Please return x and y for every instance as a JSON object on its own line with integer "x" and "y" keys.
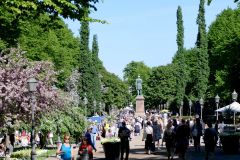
{"x": 235, "y": 107}
{"x": 128, "y": 109}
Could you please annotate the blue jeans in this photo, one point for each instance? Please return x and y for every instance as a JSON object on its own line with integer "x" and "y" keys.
{"x": 93, "y": 138}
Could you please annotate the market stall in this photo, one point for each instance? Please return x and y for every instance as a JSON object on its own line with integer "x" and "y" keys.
{"x": 230, "y": 135}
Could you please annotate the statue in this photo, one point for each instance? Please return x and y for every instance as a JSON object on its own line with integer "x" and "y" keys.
{"x": 139, "y": 85}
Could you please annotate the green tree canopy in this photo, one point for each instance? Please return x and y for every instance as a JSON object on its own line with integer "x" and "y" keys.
{"x": 160, "y": 86}
{"x": 13, "y": 11}
{"x": 45, "y": 39}
{"x": 224, "y": 51}
{"x": 179, "y": 60}
{"x": 131, "y": 72}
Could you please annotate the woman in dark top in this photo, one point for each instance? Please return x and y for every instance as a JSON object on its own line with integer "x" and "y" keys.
{"x": 210, "y": 140}
{"x": 182, "y": 139}
{"x": 196, "y": 134}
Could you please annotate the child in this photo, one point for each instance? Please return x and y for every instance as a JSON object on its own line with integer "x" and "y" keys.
{"x": 85, "y": 150}
{"x": 65, "y": 150}
{"x": 2, "y": 150}
{"x": 109, "y": 133}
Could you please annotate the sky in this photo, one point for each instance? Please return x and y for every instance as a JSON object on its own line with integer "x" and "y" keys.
{"x": 140, "y": 30}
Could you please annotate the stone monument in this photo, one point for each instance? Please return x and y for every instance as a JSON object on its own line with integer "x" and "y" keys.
{"x": 140, "y": 109}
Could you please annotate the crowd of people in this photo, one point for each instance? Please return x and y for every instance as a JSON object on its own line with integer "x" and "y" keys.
{"x": 178, "y": 134}
{"x": 175, "y": 134}
{"x": 160, "y": 129}
{"x": 156, "y": 129}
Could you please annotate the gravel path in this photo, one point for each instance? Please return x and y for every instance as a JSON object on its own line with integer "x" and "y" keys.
{"x": 137, "y": 152}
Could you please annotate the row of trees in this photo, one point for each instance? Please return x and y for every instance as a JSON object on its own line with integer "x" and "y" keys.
{"x": 36, "y": 28}
{"x": 53, "y": 56}
{"x": 35, "y": 42}
{"x": 209, "y": 68}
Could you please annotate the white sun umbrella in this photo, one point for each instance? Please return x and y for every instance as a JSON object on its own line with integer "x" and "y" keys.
{"x": 128, "y": 109}
{"x": 235, "y": 107}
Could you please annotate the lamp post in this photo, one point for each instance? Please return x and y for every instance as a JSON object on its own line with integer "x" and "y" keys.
{"x": 190, "y": 107}
{"x": 217, "y": 98}
{"x": 131, "y": 105}
{"x": 94, "y": 106}
{"x": 201, "y": 103}
{"x": 100, "y": 108}
{"x": 181, "y": 109}
{"x": 104, "y": 107}
{"x": 130, "y": 93}
{"x": 85, "y": 103}
{"x": 234, "y": 98}
{"x": 167, "y": 105}
{"x": 32, "y": 87}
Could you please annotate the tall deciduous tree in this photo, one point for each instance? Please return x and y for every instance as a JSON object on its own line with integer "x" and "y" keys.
{"x": 224, "y": 51}
{"x": 202, "y": 64}
{"x": 13, "y": 11}
{"x": 179, "y": 60}
{"x": 116, "y": 93}
{"x": 191, "y": 60}
{"x": 131, "y": 72}
{"x": 72, "y": 87}
{"x": 209, "y": 1}
{"x": 14, "y": 73}
{"x": 85, "y": 66}
{"x": 161, "y": 86}
{"x": 96, "y": 73}
{"x": 46, "y": 39}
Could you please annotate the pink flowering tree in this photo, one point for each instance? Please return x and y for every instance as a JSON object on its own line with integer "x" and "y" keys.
{"x": 15, "y": 70}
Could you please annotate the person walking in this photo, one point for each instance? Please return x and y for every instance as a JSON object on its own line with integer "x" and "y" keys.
{"x": 196, "y": 134}
{"x": 148, "y": 137}
{"x": 124, "y": 135}
{"x": 210, "y": 139}
{"x": 94, "y": 133}
{"x": 182, "y": 139}
{"x": 137, "y": 128}
{"x": 169, "y": 139}
{"x": 85, "y": 150}
{"x": 157, "y": 133}
{"x": 89, "y": 138}
{"x": 65, "y": 150}
{"x": 50, "y": 138}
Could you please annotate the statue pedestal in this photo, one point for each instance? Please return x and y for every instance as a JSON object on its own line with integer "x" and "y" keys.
{"x": 140, "y": 110}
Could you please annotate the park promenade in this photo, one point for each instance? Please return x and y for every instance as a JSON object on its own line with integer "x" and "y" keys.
{"x": 137, "y": 152}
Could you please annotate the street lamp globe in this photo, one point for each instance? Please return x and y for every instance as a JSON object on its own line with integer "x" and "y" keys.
{"x": 94, "y": 106}
{"x": 217, "y": 98}
{"x": 131, "y": 105}
{"x": 54, "y": 88}
{"x": 234, "y": 95}
{"x": 190, "y": 103}
{"x": 85, "y": 101}
{"x": 201, "y": 101}
{"x": 32, "y": 84}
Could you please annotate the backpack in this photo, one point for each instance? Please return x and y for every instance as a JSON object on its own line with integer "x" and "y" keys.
{"x": 125, "y": 133}
{"x": 137, "y": 128}
{"x": 195, "y": 131}
{"x": 169, "y": 137}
